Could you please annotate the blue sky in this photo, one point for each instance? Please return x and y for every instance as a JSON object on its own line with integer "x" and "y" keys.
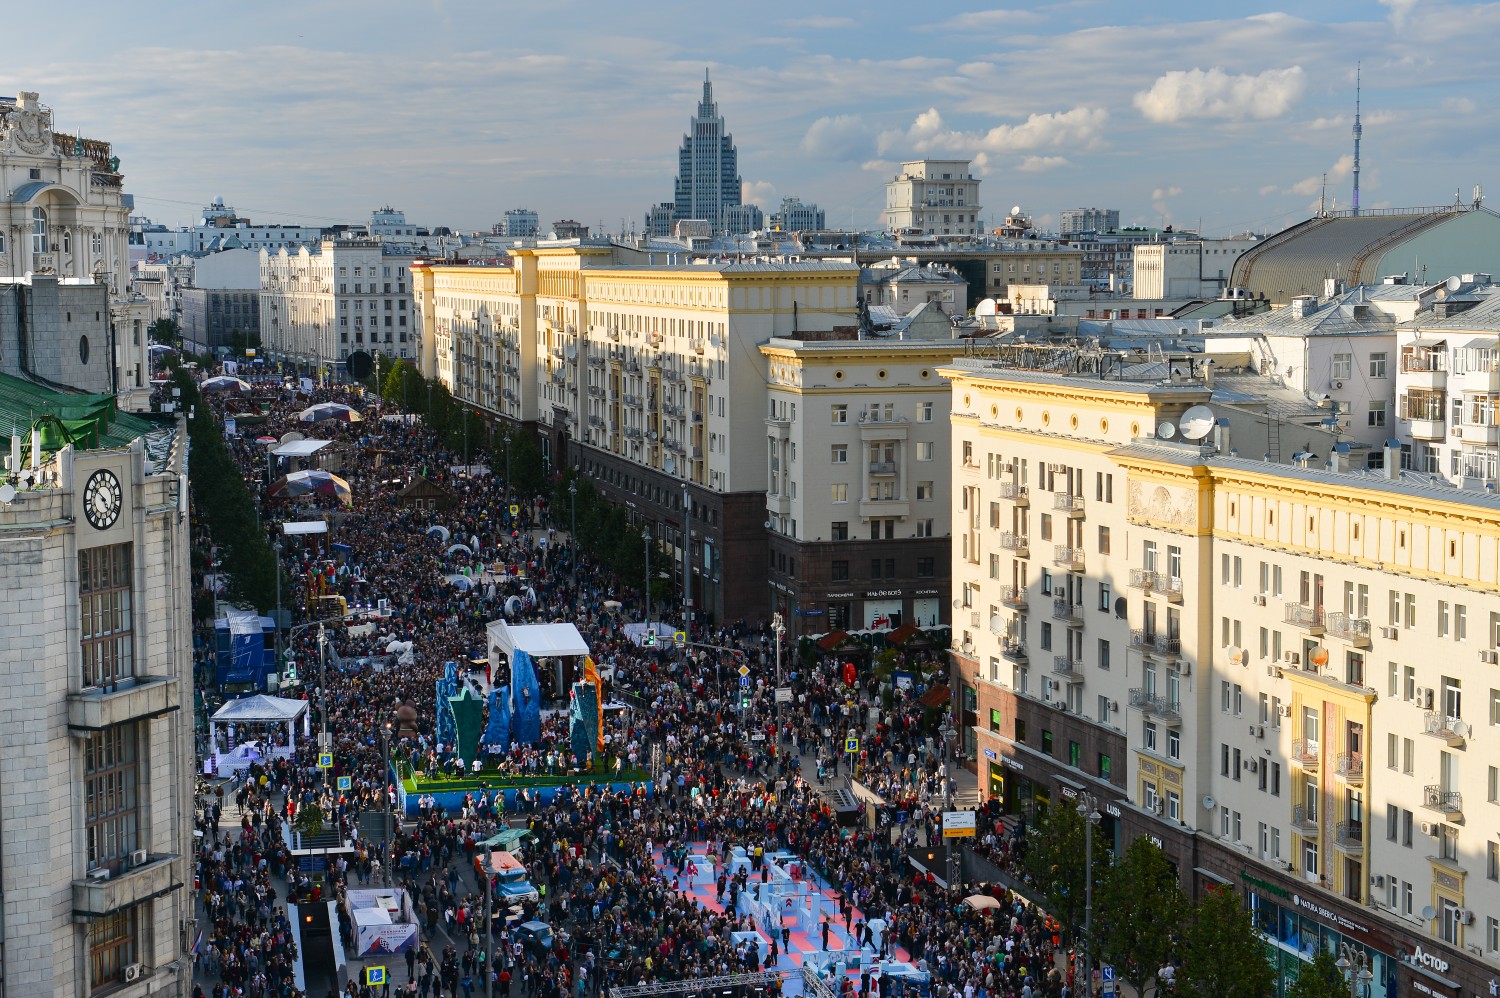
{"x": 320, "y": 110}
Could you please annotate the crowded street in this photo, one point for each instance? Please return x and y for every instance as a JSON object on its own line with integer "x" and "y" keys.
{"x": 638, "y": 880}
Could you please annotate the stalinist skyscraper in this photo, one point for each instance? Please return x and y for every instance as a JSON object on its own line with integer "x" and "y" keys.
{"x": 708, "y": 176}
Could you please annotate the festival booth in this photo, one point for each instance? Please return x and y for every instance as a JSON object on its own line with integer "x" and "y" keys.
{"x": 537, "y": 641}
{"x": 236, "y": 715}
{"x": 383, "y": 919}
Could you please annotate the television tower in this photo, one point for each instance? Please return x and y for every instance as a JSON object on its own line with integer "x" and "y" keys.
{"x": 1358, "y": 131}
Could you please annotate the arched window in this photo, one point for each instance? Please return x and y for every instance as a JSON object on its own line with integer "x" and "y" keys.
{"x": 38, "y": 230}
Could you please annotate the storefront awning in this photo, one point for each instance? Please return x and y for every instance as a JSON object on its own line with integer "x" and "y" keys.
{"x": 937, "y": 696}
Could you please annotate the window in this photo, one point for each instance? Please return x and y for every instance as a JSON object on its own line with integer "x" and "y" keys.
{"x": 839, "y": 530}
{"x": 1376, "y": 416}
{"x": 924, "y": 528}
{"x": 924, "y": 450}
{"x": 1075, "y": 755}
{"x": 109, "y": 796}
{"x": 840, "y": 413}
{"x": 1174, "y": 743}
{"x": 926, "y": 568}
{"x": 924, "y": 491}
{"x": 840, "y": 454}
{"x": 994, "y": 719}
{"x": 38, "y": 230}
{"x": 1103, "y": 540}
{"x": 1046, "y": 741}
{"x": 1342, "y": 367}
{"x": 104, "y": 608}
{"x": 1105, "y": 596}
{"x": 839, "y": 571}
{"x": 112, "y": 946}
{"x": 1105, "y": 767}
{"x": 1377, "y": 365}
{"x": 840, "y": 492}
{"x": 1149, "y": 738}
{"x": 924, "y": 412}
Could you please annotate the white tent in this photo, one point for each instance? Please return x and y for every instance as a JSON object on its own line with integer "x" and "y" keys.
{"x": 300, "y": 448}
{"x": 537, "y": 640}
{"x": 260, "y": 709}
{"x": 295, "y": 527}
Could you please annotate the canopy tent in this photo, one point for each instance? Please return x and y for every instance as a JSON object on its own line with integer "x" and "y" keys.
{"x": 537, "y": 640}
{"x": 506, "y": 838}
{"x": 292, "y": 528}
{"x": 300, "y": 448}
{"x": 258, "y": 709}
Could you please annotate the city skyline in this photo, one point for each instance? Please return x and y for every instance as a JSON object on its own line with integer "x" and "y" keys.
{"x": 316, "y": 116}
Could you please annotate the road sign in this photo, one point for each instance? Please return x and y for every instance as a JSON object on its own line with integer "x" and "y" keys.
{"x": 744, "y": 670}
{"x": 375, "y": 977}
{"x": 851, "y": 746}
{"x": 680, "y": 637}
{"x": 1107, "y": 977}
{"x": 958, "y": 824}
{"x": 783, "y": 694}
{"x": 745, "y": 681}
{"x": 325, "y": 760}
{"x": 515, "y": 510}
{"x": 346, "y": 782}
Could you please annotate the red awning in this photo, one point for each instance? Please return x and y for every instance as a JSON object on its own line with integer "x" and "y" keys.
{"x": 902, "y": 634}
{"x": 936, "y": 696}
{"x": 832, "y": 640}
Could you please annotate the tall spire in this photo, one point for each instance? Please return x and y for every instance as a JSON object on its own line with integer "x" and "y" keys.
{"x": 706, "y": 108}
{"x": 1358, "y": 132}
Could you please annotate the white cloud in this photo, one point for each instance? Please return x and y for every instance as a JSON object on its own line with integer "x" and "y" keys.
{"x": 842, "y": 137}
{"x": 1400, "y": 10}
{"x": 760, "y": 193}
{"x": 1041, "y": 164}
{"x": 1342, "y": 167}
{"x": 1213, "y": 93}
{"x": 1079, "y": 128}
{"x": 986, "y": 20}
{"x": 819, "y": 22}
{"x": 1162, "y": 193}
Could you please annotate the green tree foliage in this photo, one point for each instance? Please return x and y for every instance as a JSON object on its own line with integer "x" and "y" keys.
{"x": 1145, "y": 910}
{"x": 1320, "y": 980}
{"x": 1222, "y": 954}
{"x": 166, "y": 331}
{"x": 1055, "y": 860}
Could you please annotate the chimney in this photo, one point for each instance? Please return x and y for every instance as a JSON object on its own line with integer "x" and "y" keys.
{"x": 1303, "y": 458}
{"x": 1303, "y": 306}
{"x": 1392, "y": 451}
{"x": 1340, "y": 458}
{"x": 1333, "y": 287}
{"x": 1208, "y": 373}
{"x": 1221, "y": 435}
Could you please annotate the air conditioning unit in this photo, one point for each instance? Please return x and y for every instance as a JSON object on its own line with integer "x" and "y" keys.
{"x": 1292, "y": 658}
{"x": 1458, "y": 431}
{"x": 138, "y": 858}
{"x": 1426, "y": 696}
{"x": 1378, "y": 882}
{"x": 1273, "y": 672}
{"x": 1390, "y": 633}
{"x": 1253, "y": 765}
{"x": 1489, "y": 657}
{"x": 1429, "y": 828}
{"x": 99, "y": 873}
{"x": 1466, "y": 916}
{"x": 133, "y": 972}
{"x": 1114, "y": 706}
{"x": 1257, "y": 731}
{"x": 1160, "y": 806}
{"x": 1286, "y": 710}
{"x": 1181, "y": 668}
{"x": 1259, "y": 600}
{"x": 1337, "y": 385}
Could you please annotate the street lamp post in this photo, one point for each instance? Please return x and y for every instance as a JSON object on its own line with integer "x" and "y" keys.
{"x": 507, "y": 462}
{"x": 1355, "y": 962}
{"x": 647, "y": 538}
{"x": 276, "y": 548}
{"x": 572, "y": 518}
{"x": 1088, "y": 810}
{"x": 687, "y": 560}
{"x": 778, "y": 627}
{"x": 385, "y": 802}
{"x": 489, "y": 925}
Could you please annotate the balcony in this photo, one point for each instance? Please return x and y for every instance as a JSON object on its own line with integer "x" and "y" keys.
{"x": 882, "y": 469}
{"x": 1429, "y": 429}
{"x": 1018, "y": 543}
{"x": 780, "y": 426}
{"x": 870, "y": 508}
{"x": 1072, "y": 505}
{"x": 1148, "y": 702}
{"x": 1305, "y": 752}
{"x": 1305, "y": 819}
{"x": 1449, "y": 729}
{"x": 1156, "y": 645}
{"x": 778, "y": 505}
{"x": 1014, "y": 597}
{"x": 1158, "y": 583}
{"x": 125, "y": 889}
{"x": 1066, "y": 609}
{"x": 1067, "y": 669}
{"x": 1478, "y": 434}
{"x": 1014, "y": 651}
{"x": 1349, "y": 836}
{"x": 1309, "y": 618}
{"x": 1018, "y": 493}
{"x": 1448, "y": 803}
{"x": 1069, "y": 558}
{"x": 1350, "y": 767}
{"x": 1420, "y": 371}
{"x": 96, "y": 709}
{"x": 1355, "y": 630}
{"x": 1485, "y": 379}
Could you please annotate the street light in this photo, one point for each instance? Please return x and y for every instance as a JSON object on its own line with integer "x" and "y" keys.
{"x": 489, "y": 924}
{"x": 687, "y": 559}
{"x": 779, "y": 627}
{"x": 1088, "y": 810}
{"x": 572, "y": 517}
{"x": 647, "y": 538}
{"x": 277, "y": 548}
{"x": 1355, "y": 962}
{"x": 385, "y": 802}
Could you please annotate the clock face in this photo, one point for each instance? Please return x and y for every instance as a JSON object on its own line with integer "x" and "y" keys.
{"x": 101, "y": 500}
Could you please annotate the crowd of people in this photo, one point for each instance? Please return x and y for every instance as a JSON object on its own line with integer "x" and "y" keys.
{"x": 601, "y": 859}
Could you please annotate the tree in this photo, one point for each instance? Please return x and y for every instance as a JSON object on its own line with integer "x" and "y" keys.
{"x": 1055, "y": 862}
{"x": 1223, "y": 955}
{"x": 1320, "y": 980}
{"x": 1145, "y": 912}
{"x": 164, "y": 330}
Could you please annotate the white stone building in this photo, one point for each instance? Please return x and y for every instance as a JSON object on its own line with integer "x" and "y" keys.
{"x": 939, "y": 197}
{"x": 1187, "y": 268}
{"x": 96, "y": 754}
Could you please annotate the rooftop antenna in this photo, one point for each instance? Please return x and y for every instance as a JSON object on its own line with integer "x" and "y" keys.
{"x": 1358, "y": 132}
{"x": 1323, "y": 199}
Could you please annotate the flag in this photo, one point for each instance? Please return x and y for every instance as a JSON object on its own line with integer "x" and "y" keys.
{"x": 591, "y": 675}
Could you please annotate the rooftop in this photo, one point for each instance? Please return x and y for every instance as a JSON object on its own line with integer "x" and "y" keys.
{"x": 88, "y": 422}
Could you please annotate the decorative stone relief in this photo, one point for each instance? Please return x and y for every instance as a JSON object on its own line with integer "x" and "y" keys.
{"x": 1161, "y": 504}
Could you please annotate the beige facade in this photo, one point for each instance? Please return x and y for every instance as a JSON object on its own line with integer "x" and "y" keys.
{"x": 1271, "y": 670}
{"x": 935, "y": 196}
{"x": 96, "y": 754}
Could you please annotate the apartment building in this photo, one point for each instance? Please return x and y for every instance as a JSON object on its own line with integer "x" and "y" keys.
{"x": 935, "y": 196}
{"x": 857, "y": 441}
{"x": 1260, "y": 666}
{"x": 645, "y": 376}
{"x": 351, "y": 294}
{"x": 96, "y": 752}
{"x": 1187, "y": 268}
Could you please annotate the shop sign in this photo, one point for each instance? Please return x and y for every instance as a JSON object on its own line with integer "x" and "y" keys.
{"x": 1265, "y": 885}
{"x": 1431, "y": 961}
{"x": 1329, "y": 915}
{"x": 1010, "y": 763}
{"x": 924, "y": 592}
{"x": 882, "y": 593}
{"x": 1156, "y": 841}
{"x": 840, "y": 595}
{"x": 780, "y": 587}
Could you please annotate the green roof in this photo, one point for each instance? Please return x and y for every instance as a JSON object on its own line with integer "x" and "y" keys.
{"x": 88, "y": 422}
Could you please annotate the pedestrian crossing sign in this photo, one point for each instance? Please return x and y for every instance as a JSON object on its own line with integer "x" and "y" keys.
{"x": 346, "y": 783}
{"x": 515, "y": 510}
{"x": 680, "y": 637}
{"x": 851, "y": 745}
{"x": 374, "y": 977}
{"x": 325, "y": 760}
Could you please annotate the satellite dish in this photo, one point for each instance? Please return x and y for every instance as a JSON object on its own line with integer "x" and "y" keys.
{"x": 1460, "y": 728}
{"x": 7, "y": 494}
{"x": 1209, "y": 803}
{"x": 1197, "y": 422}
{"x": 288, "y": 437}
{"x": 1428, "y": 913}
{"x": 1318, "y": 656}
{"x": 1454, "y": 282}
{"x": 1122, "y": 607}
{"x": 1237, "y": 655}
{"x": 1015, "y": 209}
{"x": 987, "y": 307}
{"x": 1165, "y": 430}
